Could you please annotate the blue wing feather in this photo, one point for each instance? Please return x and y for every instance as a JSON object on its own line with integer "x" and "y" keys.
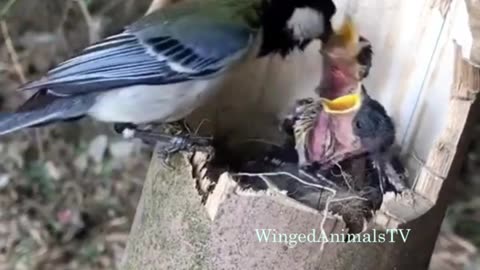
{"x": 129, "y": 59}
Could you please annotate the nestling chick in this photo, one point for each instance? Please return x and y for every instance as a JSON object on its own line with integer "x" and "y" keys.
{"x": 344, "y": 127}
{"x": 329, "y": 131}
{"x": 344, "y": 131}
{"x": 347, "y": 61}
{"x": 167, "y": 64}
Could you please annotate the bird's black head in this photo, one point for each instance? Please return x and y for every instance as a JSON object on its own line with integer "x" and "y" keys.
{"x": 373, "y": 126}
{"x": 294, "y": 23}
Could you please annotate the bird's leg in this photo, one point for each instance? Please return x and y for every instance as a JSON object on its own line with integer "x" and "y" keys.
{"x": 179, "y": 127}
{"x": 171, "y": 144}
{"x": 183, "y": 143}
{"x": 182, "y": 139}
{"x": 173, "y": 138}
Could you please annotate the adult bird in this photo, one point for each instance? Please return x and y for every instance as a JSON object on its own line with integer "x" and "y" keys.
{"x": 162, "y": 67}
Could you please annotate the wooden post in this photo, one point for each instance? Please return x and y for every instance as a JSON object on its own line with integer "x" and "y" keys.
{"x": 182, "y": 224}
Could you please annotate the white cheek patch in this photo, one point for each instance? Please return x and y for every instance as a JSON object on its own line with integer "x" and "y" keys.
{"x": 306, "y": 23}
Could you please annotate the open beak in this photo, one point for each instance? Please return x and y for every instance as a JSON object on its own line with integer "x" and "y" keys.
{"x": 342, "y": 105}
{"x": 348, "y": 34}
{"x": 344, "y": 41}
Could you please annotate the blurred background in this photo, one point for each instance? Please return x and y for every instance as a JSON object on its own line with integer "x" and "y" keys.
{"x": 68, "y": 193}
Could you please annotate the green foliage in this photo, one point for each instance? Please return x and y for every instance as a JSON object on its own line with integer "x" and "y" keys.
{"x": 88, "y": 2}
{"x": 464, "y": 219}
{"x": 6, "y": 8}
{"x": 91, "y": 251}
{"x": 38, "y": 176}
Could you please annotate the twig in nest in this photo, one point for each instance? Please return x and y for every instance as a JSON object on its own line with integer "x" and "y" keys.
{"x": 21, "y": 75}
{"x": 286, "y": 174}
{"x": 349, "y": 199}
{"x": 260, "y": 140}
{"x": 199, "y": 126}
{"x": 321, "y": 177}
{"x": 346, "y": 176}
{"x": 380, "y": 176}
{"x": 329, "y": 200}
{"x": 269, "y": 184}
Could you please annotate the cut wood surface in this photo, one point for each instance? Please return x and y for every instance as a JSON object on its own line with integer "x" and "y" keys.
{"x": 174, "y": 230}
{"x": 472, "y": 46}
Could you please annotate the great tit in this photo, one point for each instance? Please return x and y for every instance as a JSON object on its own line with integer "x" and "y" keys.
{"x": 166, "y": 64}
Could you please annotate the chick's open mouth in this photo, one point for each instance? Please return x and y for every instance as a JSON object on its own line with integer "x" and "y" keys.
{"x": 342, "y": 105}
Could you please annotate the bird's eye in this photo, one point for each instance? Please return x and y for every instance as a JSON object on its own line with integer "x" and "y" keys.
{"x": 358, "y": 124}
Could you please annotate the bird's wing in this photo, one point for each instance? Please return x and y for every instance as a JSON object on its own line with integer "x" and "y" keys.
{"x": 194, "y": 46}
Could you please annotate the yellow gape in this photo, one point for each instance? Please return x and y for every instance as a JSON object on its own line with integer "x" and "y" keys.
{"x": 342, "y": 105}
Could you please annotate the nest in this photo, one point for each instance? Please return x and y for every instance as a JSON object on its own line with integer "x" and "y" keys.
{"x": 352, "y": 189}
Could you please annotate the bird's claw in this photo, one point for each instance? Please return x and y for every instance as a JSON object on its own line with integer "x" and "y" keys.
{"x": 182, "y": 143}
{"x": 173, "y": 139}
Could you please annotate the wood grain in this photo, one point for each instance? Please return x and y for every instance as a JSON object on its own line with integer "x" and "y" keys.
{"x": 473, "y": 7}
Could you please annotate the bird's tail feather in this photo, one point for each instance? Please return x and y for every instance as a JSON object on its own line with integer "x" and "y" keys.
{"x": 59, "y": 110}
{"x": 10, "y": 122}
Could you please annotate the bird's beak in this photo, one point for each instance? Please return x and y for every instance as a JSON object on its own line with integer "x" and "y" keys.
{"x": 342, "y": 105}
{"x": 345, "y": 40}
{"x": 348, "y": 34}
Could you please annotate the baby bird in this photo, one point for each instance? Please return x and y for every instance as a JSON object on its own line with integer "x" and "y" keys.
{"x": 329, "y": 131}
{"x": 347, "y": 59}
